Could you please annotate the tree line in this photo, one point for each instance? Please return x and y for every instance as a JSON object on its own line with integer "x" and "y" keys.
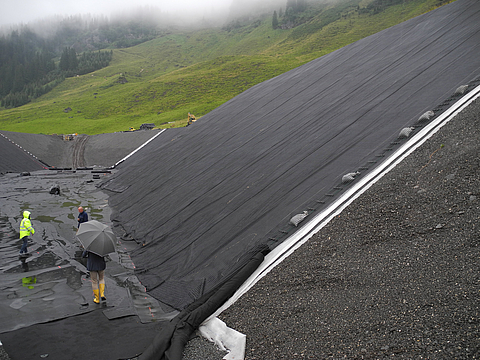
{"x": 32, "y": 64}
{"x": 72, "y": 64}
{"x": 28, "y": 69}
{"x": 287, "y": 19}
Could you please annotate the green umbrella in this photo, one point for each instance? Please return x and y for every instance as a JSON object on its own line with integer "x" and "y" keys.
{"x": 96, "y": 237}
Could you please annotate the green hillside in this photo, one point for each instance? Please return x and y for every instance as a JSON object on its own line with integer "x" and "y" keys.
{"x": 161, "y": 80}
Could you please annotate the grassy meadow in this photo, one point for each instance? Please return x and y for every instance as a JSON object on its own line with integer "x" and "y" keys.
{"x": 161, "y": 80}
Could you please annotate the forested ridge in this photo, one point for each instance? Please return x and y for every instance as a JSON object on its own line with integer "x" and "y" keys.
{"x": 32, "y": 64}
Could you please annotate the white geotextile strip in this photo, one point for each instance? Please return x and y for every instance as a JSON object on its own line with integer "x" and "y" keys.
{"x": 141, "y": 146}
{"x": 286, "y": 248}
{"x": 225, "y": 338}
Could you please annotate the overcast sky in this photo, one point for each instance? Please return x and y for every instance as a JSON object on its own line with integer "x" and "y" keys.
{"x": 24, "y": 11}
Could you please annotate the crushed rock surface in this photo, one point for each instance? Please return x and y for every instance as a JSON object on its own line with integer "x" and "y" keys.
{"x": 3, "y": 354}
{"x": 396, "y": 274}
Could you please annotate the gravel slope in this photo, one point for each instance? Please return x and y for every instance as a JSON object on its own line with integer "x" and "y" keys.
{"x": 395, "y": 275}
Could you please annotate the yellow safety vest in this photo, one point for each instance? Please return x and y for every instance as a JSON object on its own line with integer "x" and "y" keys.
{"x": 26, "y": 228}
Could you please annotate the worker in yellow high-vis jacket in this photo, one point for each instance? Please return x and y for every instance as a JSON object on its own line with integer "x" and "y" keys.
{"x": 26, "y": 230}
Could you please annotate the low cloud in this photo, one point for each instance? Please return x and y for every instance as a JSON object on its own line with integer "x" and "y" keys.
{"x": 26, "y": 11}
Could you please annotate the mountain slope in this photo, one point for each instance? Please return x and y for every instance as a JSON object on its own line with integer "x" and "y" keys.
{"x": 161, "y": 80}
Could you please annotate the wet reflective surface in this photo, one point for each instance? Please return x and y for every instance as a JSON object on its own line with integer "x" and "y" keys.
{"x": 52, "y": 282}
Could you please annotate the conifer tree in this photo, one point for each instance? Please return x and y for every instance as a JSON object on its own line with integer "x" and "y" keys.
{"x": 63, "y": 65}
{"x": 275, "y": 20}
{"x": 72, "y": 59}
{"x": 19, "y": 80}
{"x": 68, "y": 60}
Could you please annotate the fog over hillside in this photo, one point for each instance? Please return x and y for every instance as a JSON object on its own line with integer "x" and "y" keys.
{"x": 28, "y": 11}
{"x": 215, "y": 12}
{"x": 241, "y": 8}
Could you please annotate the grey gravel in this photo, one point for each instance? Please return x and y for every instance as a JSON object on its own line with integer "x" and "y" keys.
{"x": 197, "y": 348}
{"x": 395, "y": 275}
{"x": 3, "y": 354}
{"x": 200, "y": 348}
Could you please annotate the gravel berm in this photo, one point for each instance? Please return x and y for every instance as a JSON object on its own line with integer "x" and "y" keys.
{"x": 395, "y": 275}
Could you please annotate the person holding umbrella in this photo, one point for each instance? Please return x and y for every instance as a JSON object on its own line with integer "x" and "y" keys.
{"x": 96, "y": 266}
{"x": 98, "y": 241}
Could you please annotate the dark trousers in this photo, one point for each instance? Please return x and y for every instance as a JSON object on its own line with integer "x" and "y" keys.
{"x": 24, "y": 245}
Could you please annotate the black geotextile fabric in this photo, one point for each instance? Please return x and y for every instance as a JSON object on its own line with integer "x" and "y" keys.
{"x": 200, "y": 200}
{"x": 15, "y": 159}
{"x": 88, "y": 336}
{"x": 101, "y": 150}
{"x": 170, "y": 341}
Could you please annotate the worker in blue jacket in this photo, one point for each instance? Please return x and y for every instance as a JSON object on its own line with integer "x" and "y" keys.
{"x": 82, "y": 216}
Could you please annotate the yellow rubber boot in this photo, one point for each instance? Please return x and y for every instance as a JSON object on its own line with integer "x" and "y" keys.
{"x": 102, "y": 292}
{"x": 96, "y": 299}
